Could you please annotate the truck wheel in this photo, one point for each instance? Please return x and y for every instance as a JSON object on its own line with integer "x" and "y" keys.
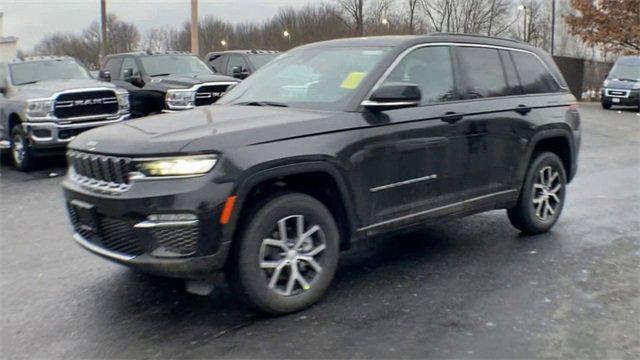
{"x": 287, "y": 254}
{"x": 542, "y": 196}
{"x": 606, "y": 105}
{"x": 21, "y": 153}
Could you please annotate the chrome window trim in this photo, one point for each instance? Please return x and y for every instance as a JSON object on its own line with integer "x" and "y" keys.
{"x": 406, "y": 52}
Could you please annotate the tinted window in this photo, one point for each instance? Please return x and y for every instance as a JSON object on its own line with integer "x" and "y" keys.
{"x": 534, "y": 76}
{"x": 129, "y": 63}
{"x": 513, "y": 83}
{"x": 431, "y": 69}
{"x": 158, "y": 65}
{"x": 217, "y": 63}
{"x": 259, "y": 60}
{"x": 113, "y": 66}
{"x": 236, "y": 61}
{"x": 483, "y": 74}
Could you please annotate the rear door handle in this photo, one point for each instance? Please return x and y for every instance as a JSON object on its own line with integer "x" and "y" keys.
{"x": 523, "y": 109}
{"x": 452, "y": 117}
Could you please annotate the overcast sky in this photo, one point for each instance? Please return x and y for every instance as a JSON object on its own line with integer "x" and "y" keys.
{"x": 30, "y": 20}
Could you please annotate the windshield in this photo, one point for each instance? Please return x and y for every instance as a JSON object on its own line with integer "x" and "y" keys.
{"x": 625, "y": 72}
{"x": 174, "y": 64}
{"x": 42, "y": 70}
{"x": 320, "y": 78}
{"x": 259, "y": 60}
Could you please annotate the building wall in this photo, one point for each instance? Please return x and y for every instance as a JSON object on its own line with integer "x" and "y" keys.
{"x": 8, "y": 50}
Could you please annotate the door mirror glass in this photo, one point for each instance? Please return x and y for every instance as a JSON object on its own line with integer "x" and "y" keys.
{"x": 104, "y": 75}
{"x": 127, "y": 74}
{"x": 239, "y": 72}
{"x": 394, "y": 96}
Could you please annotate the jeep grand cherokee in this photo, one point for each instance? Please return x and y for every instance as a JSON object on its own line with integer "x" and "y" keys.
{"x": 330, "y": 143}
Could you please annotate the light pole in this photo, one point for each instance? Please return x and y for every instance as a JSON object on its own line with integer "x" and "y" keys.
{"x": 287, "y": 35}
{"x": 194, "y": 28}
{"x": 523, "y": 8}
{"x": 386, "y": 22}
{"x": 103, "y": 34}
{"x": 553, "y": 25}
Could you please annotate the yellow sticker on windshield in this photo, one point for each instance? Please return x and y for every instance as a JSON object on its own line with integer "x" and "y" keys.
{"x": 352, "y": 80}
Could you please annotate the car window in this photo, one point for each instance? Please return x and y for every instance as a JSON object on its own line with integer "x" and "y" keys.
{"x": 217, "y": 63}
{"x": 259, "y": 60}
{"x": 309, "y": 78}
{"x": 236, "y": 61}
{"x": 431, "y": 69}
{"x": 129, "y": 63}
{"x": 534, "y": 76}
{"x": 482, "y": 72}
{"x": 113, "y": 66}
{"x": 513, "y": 83}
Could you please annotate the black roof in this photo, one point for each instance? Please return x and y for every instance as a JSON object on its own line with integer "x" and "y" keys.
{"x": 150, "y": 53}
{"x": 247, "y": 52}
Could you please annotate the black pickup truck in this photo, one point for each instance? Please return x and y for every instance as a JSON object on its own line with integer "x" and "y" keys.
{"x": 330, "y": 143}
{"x": 164, "y": 81}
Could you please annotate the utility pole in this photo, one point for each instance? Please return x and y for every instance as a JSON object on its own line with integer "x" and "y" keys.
{"x": 553, "y": 25}
{"x": 194, "y": 28}
{"x": 103, "y": 24}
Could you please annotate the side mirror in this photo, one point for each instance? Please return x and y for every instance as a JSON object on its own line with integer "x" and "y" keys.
{"x": 104, "y": 75}
{"x": 239, "y": 72}
{"x": 3, "y": 90}
{"x": 394, "y": 96}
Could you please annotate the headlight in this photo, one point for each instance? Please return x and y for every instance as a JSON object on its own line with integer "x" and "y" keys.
{"x": 636, "y": 85}
{"x": 176, "y": 166}
{"x": 39, "y": 108}
{"x": 123, "y": 101}
{"x": 605, "y": 83}
{"x": 180, "y": 99}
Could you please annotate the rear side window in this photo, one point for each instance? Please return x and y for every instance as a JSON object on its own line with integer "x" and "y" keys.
{"x": 534, "y": 76}
{"x": 513, "y": 83}
{"x": 113, "y": 65}
{"x": 431, "y": 69}
{"x": 482, "y": 72}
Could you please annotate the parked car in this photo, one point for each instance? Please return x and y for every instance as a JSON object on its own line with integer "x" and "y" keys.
{"x": 622, "y": 85}
{"x": 239, "y": 63}
{"x": 164, "y": 81}
{"x": 330, "y": 143}
{"x": 45, "y": 102}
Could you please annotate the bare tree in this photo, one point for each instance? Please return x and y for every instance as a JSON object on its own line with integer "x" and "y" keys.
{"x": 354, "y": 10}
{"x": 412, "y": 6}
{"x": 490, "y": 17}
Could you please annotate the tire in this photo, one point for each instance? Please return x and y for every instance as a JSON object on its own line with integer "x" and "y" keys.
{"x": 606, "y": 105}
{"x": 261, "y": 252}
{"x": 545, "y": 184}
{"x": 21, "y": 153}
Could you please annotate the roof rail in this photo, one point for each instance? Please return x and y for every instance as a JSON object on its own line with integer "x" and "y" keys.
{"x": 474, "y": 36}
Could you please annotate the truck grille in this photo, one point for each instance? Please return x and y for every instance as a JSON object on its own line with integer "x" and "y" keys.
{"x": 89, "y": 103}
{"x": 208, "y": 94}
{"x": 109, "y": 233}
{"x": 99, "y": 172}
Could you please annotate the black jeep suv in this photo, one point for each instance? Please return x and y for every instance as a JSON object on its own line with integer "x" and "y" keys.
{"x": 331, "y": 142}
{"x": 164, "y": 81}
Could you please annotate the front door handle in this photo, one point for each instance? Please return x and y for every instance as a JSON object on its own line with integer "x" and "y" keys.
{"x": 523, "y": 109}
{"x": 452, "y": 117}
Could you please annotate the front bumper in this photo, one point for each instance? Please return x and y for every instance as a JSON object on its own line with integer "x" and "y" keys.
{"x": 121, "y": 230}
{"x": 55, "y": 134}
{"x": 621, "y": 97}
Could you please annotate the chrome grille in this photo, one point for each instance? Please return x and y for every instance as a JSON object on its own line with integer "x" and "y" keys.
{"x": 86, "y": 103}
{"x": 99, "y": 172}
{"x": 207, "y": 94}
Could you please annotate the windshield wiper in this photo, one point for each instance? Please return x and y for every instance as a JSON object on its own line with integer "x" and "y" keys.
{"x": 154, "y": 75}
{"x": 623, "y": 79}
{"x": 28, "y": 82}
{"x": 262, "y": 103}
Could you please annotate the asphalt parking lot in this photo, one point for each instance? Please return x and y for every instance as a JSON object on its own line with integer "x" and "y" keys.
{"x": 471, "y": 288}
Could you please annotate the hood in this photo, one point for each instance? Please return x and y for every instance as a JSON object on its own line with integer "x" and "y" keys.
{"x": 620, "y": 84}
{"x": 50, "y": 87}
{"x": 217, "y": 128}
{"x": 188, "y": 80}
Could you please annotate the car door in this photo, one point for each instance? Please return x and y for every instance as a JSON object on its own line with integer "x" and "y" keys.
{"x": 407, "y": 157}
{"x": 488, "y": 135}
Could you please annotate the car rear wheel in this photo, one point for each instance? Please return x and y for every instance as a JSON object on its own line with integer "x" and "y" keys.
{"x": 287, "y": 254}
{"x": 21, "y": 153}
{"x": 542, "y": 196}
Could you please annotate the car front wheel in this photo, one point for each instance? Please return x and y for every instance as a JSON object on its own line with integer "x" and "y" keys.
{"x": 287, "y": 255}
{"x": 542, "y": 196}
{"x": 21, "y": 153}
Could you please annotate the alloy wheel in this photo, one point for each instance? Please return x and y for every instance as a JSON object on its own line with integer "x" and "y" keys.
{"x": 546, "y": 193}
{"x": 292, "y": 257}
{"x": 19, "y": 148}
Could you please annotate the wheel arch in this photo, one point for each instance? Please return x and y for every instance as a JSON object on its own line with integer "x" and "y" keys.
{"x": 558, "y": 141}
{"x": 321, "y": 179}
